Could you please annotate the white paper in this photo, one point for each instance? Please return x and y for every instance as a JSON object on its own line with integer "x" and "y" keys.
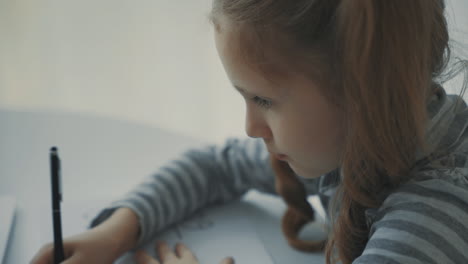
{"x": 7, "y": 212}
{"x": 212, "y": 233}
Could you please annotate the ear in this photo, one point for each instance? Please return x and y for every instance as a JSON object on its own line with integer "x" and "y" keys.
{"x": 299, "y": 211}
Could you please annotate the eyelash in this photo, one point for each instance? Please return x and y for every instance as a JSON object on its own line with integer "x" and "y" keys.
{"x": 262, "y": 102}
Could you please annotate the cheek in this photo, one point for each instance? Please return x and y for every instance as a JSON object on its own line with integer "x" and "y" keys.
{"x": 309, "y": 131}
{"x": 323, "y": 126}
{"x": 314, "y": 138}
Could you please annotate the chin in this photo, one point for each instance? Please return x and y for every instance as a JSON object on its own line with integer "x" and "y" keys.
{"x": 304, "y": 174}
{"x": 297, "y": 171}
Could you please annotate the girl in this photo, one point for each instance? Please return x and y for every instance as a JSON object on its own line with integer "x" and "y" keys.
{"x": 344, "y": 100}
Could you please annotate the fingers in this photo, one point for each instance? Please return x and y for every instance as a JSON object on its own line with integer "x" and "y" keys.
{"x": 142, "y": 257}
{"x": 166, "y": 255}
{"x": 184, "y": 252}
{"x": 227, "y": 260}
{"x": 44, "y": 255}
{"x": 164, "y": 252}
{"x": 73, "y": 260}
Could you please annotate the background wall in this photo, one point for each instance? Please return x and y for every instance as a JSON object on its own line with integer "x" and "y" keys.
{"x": 150, "y": 61}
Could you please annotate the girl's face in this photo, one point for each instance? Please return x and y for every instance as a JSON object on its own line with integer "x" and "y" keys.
{"x": 290, "y": 115}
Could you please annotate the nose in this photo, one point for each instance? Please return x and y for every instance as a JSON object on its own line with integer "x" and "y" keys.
{"x": 255, "y": 125}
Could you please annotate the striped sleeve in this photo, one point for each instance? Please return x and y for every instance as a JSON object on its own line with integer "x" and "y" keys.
{"x": 200, "y": 177}
{"x": 422, "y": 222}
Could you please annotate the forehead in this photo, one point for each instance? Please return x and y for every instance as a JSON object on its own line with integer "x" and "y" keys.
{"x": 246, "y": 62}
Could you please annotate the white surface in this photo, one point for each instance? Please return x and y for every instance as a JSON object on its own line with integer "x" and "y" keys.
{"x": 212, "y": 233}
{"x": 228, "y": 232}
{"x": 7, "y": 213}
{"x": 256, "y": 225}
{"x": 95, "y": 152}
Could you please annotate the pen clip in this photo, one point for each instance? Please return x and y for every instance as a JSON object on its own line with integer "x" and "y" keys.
{"x": 59, "y": 178}
{"x": 57, "y": 171}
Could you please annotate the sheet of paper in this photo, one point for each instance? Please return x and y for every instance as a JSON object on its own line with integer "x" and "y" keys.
{"x": 7, "y": 213}
{"x": 211, "y": 233}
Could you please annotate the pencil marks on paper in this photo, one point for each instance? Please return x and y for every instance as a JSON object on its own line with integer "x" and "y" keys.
{"x": 198, "y": 222}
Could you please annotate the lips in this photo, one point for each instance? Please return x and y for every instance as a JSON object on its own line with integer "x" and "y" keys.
{"x": 279, "y": 156}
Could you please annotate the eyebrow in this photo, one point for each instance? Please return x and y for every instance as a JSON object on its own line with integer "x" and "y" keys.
{"x": 240, "y": 89}
{"x": 243, "y": 91}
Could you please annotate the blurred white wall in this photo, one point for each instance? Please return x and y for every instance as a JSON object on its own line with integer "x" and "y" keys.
{"x": 151, "y": 61}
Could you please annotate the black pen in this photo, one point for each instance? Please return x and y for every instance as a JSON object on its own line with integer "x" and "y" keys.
{"x": 56, "y": 199}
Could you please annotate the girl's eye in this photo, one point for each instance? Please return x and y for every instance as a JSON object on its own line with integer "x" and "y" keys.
{"x": 262, "y": 102}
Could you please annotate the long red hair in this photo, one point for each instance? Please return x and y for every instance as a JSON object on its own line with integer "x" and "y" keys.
{"x": 379, "y": 62}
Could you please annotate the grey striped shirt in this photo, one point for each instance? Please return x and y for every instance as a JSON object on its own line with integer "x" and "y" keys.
{"x": 423, "y": 221}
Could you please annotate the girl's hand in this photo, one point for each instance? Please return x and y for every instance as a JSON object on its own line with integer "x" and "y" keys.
{"x": 182, "y": 255}
{"x": 93, "y": 246}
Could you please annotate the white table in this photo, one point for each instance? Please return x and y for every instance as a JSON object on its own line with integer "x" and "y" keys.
{"x": 93, "y": 150}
